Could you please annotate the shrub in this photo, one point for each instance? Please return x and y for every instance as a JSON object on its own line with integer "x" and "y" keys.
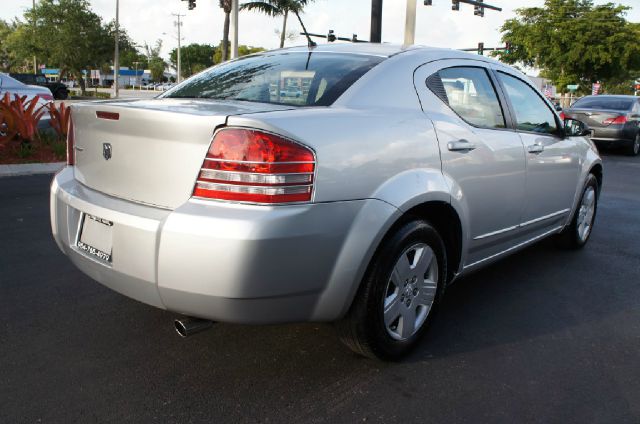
{"x": 59, "y": 119}
{"x": 19, "y": 118}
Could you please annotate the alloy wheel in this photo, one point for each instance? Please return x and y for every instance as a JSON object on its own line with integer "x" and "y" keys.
{"x": 586, "y": 213}
{"x": 410, "y": 291}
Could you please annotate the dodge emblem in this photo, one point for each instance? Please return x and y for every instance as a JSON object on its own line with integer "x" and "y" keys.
{"x": 106, "y": 151}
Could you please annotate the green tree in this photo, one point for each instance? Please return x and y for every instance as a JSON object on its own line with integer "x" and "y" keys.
{"x": 195, "y": 58}
{"x": 129, "y": 50}
{"x": 280, "y": 8}
{"x": 8, "y": 58}
{"x": 66, "y": 34}
{"x": 242, "y": 51}
{"x": 156, "y": 64}
{"x": 574, "y": 42}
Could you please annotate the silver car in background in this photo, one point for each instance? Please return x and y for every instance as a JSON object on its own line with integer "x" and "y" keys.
{"x": 390, "y": 173}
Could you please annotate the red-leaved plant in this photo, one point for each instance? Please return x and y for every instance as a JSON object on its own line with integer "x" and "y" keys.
{"x": 19, "y": 118}
{"x": 59, "y": 119}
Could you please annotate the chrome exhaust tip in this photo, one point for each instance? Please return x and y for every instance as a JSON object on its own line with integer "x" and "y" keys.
{"x": 188, "y": 326}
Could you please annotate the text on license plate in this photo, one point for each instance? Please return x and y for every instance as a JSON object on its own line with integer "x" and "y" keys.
{"x": 96, "y": 237}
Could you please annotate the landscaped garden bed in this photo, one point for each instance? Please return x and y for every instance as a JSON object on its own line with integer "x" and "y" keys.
{"x": 30, "y": 132}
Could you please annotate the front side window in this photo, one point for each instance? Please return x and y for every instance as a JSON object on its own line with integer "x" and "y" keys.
{"x": 532, "y": 113}
{"x": 470, "y": 93}
{"x": 294, "y": 78}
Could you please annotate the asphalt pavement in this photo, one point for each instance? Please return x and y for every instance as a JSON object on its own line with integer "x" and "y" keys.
{"x": 545, "y": 336}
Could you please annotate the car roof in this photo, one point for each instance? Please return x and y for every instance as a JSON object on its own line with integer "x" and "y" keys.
{"x": 379, "y": 49}
{"x": 611, "y": 96}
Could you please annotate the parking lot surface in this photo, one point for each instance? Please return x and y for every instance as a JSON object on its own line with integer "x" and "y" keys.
{"x": 545, "y": 336}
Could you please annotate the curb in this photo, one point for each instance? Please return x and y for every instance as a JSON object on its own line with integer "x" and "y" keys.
{"x": 30, "y": 169}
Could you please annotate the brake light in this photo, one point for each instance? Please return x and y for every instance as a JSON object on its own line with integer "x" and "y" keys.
{"x": 71, "y": 156}
{"x": 47, "y": 97}
{"x": 622, "y": 119}
{"x": 254, "y": 166}
{"x": 563, "y": 116}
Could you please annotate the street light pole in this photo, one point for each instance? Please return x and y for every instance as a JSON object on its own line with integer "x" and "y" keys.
{"x": 116, "y": 60}
{"x": 178, "y": 24}
{"x": 234, "y": 29}
{"x": 410, "y": 23}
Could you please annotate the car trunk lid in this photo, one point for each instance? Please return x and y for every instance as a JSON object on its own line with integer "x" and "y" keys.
{"x": 593, "y": 118}
{"x": 148, "y": 151}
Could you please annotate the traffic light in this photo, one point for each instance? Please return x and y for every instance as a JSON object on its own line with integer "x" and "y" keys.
{"x": 331, "y": 37}
{"x": 192, "y": 4}
{"x": 507, "y": 48}
{"x": 481, "y": 49}
{"x": 455, "y": 5}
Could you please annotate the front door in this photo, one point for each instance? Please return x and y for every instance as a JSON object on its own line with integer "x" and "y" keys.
{"x": 553, "y": 165}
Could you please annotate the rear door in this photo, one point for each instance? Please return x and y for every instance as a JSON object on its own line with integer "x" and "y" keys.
{"x": 552, "y": 159}
{"x": 481, "y": 156}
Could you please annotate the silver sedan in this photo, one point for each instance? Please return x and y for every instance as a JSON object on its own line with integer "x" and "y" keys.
{"x": 343, "y": 183}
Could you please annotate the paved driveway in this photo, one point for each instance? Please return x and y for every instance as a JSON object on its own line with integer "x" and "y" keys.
{"x": 546, "y": 336}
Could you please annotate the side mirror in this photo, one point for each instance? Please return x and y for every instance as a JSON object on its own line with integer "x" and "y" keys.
{"x": 575, "y": 128}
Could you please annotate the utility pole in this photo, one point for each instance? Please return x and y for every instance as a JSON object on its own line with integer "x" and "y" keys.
{"x": 178, "y": 24}
{"x": 376, "y": 21}
{"x": 410, "y": 23}
{"x": 137, "y": 79}
{"x": 35, "y": 61}
{"x": 234, "y": 29}
{"x": 116, "y": 59}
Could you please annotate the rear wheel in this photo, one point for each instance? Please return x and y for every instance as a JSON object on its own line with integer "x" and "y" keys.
{"x": 62, "y": 94}
{"x": 634, "y": 147}
{"x": 577, "y": 233}
{"x": 399, "y": 294}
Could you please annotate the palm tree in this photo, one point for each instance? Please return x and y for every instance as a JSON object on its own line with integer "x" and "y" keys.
{"x": 280, "y": 8}
{"x": 226, "y": 6}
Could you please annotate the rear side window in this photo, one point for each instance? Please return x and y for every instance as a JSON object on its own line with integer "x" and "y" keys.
{"x": 293, "y": 78}
{"x": 532, "y": 113}
{"x": 470, "y": 93}
{"x": 607, "y": 103}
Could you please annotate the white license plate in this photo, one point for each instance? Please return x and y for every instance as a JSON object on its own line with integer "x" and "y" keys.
{"x": 96, "y": 237}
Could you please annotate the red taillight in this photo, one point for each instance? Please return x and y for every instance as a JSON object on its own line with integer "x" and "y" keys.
{"x": 622, "y": 119}
{"x": 71, "y": 157}
{"x": 48, "y": 97}
{"x": 563, "y": 116}
{"x": 254, "y": 166}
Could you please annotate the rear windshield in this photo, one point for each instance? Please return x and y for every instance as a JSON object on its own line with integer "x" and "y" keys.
{"x": 294, "y": 78}
{"x": 606, "y": 103}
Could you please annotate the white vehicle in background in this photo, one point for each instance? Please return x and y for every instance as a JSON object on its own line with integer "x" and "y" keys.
{"x": 13, "y": 86}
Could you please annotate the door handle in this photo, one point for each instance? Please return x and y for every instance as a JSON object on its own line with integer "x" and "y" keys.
{"x": 535, "y": 148}
{"x": 460, "y": 145}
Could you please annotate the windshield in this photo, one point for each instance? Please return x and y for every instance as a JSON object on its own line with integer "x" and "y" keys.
{"x": 293, "y": 78}
{"x": 606, "y": 103}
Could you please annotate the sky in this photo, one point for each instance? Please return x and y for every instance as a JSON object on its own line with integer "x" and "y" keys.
{"x": 437, "y": 25}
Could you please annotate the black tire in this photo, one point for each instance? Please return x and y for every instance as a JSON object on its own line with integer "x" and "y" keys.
{"x": 570, "y": 237}
{"x": 634, "y": 147}
{"x": 61, "y": 94}
{"x": 363, "y": 329}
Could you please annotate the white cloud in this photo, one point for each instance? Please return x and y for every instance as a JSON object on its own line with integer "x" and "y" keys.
{"x": 437, "y": 25}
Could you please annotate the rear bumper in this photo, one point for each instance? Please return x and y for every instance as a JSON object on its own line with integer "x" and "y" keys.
{"x": 226, "y": 262}
{"x": 613, "y": 135}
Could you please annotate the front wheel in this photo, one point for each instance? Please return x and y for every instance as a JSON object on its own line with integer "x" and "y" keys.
{"x": 577, "y": 233}
{"x": 399, "y": 294}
